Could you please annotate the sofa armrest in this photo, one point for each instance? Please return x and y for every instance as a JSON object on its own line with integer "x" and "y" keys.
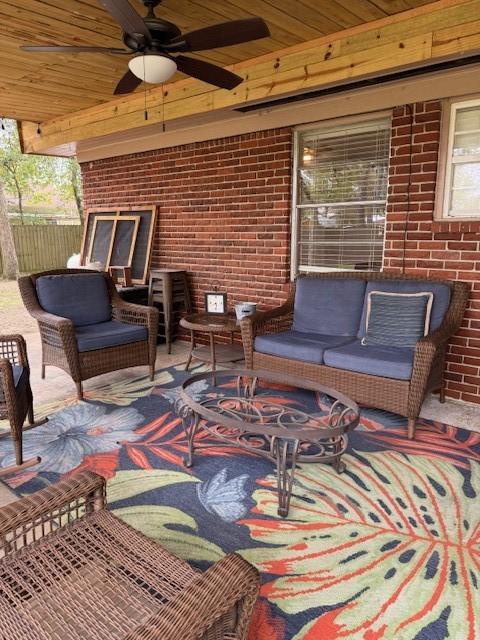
{"x": 230, "y": 583}
{"x": 33, "y": 516}
{"x": 263, "y": 322}
{"x": 429, "y": 354}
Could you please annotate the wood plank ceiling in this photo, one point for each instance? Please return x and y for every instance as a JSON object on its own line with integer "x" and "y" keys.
{"x": 38, "y": 87}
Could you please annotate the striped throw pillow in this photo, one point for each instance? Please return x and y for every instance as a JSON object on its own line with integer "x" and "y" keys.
{"x": 397, "y": 319}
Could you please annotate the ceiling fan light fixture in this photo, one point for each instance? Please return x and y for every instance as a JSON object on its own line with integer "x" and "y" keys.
{"x": 152, "y": 68}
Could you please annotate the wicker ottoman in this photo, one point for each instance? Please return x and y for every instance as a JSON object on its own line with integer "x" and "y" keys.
{"x": 71, "y": 569}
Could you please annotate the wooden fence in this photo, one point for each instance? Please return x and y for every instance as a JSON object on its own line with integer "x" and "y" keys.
{"x": 41, "y": 247}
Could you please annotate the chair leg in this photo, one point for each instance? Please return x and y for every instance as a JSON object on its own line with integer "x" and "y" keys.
{"x": 30, "y": 414}
{"x": 152, "y": 372}
{"x": 18, "y": 444}
{"x": 79, "y": 386}
{"x": 21, "y": 464}
{"x": 42, "y": 374}
{"x": 31, "y": 462}
{"x": 31, "y": 419}
{"x": 411, "y": 428}
{"x": 442, "y": 394}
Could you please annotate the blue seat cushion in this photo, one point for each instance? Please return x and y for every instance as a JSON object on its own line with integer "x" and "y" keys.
{"x": 108, "y": 334}
{"x": 376, "y": 360}
{"x": 441, "y": 297}
{"x": 331, "y": 307}
{"x": 81, "y": 297}
{"x": 297, "y": 345}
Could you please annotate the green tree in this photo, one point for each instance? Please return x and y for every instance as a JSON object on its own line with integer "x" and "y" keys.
{"x": 21, "y": 174}
{"x": 69, "y": 181}
{"x": 37, "y": 179}
{"x": 9, "y": 254}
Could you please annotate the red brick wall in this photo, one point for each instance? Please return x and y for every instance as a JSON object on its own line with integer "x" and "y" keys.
{"x": 425, "y": 247}
{"x": 225, "y": 209}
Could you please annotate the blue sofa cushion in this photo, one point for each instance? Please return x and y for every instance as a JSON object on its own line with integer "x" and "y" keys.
{"x": 329, "y": 307}
{"x": 81, "y": 297}
{"x": 108, "y": 334}
{"x": 441, "y": 297}
{"x": 376, "y": 360}
{"x": 297, "y": 345}
{"x": 398, "y": 320}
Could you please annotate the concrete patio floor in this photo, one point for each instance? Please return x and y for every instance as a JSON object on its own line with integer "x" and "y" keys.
{"x": 58, "y": 386}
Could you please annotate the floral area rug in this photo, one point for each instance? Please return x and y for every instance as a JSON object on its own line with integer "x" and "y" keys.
{"x": 390, "y": 549}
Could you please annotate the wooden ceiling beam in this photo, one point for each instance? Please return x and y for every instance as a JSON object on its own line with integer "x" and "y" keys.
{"x": 443, "y": 30}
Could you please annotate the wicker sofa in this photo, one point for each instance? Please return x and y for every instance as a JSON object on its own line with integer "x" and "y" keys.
{"x": 317, "y": 334}
{"x": 85, "y": 327}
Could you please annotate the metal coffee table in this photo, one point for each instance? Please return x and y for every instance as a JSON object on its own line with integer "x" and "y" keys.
{"x": 236, "y": 413}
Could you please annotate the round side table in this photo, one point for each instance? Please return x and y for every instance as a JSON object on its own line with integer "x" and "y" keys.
{"x": 212, "y": 324}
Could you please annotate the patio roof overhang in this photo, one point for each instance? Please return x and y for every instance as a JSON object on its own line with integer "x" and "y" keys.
{"x": 432, "y": 34}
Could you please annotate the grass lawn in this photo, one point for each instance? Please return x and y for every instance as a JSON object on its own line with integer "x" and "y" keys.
{"x": 13, "y": 316}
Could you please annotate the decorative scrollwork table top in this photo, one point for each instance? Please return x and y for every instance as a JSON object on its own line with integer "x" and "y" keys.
{"x": 237, "y": 407}
{"x": 240, "y": 403}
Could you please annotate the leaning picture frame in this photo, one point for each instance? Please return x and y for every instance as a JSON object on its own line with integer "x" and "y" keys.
{"x": 216, "y": 303}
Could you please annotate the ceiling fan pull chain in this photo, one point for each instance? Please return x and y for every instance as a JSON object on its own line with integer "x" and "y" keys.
{"x": 144, "y": 90}
{"x": 163, "y": 110}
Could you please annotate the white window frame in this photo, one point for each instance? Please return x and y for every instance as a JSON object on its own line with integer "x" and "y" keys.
{"x": 325, "y": 126}
{"x": 445, "y": 159}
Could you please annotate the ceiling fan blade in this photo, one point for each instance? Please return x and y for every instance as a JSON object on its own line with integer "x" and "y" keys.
{"x": 208, "y": 72}
{"x": 128, "y": 83}
{"x": 222, "y": 35}
{"x": 126, "y": 16}
{"x": 74, "y": 49}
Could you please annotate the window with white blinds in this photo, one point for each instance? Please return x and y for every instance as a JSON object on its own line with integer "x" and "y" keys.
{"x": 462, "y": 175}
{"x": 340, "y": 192}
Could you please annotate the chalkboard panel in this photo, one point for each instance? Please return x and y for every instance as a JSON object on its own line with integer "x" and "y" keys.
{"x": 101, "y": 238}
{"x": 141, "y": 255}
{"x": 143, "y": 242}
{"x": 124, "y": 241}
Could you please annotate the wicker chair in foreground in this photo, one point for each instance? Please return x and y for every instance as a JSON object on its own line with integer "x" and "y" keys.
{"x": 85, "y": 327}
{"x": 71, "y": 569}
{"x": 16, "y": 399}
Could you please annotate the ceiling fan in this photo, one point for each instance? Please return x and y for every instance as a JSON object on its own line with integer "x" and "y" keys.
{"x": 153, "y": 41}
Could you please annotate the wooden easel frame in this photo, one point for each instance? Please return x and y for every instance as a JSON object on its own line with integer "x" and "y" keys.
{"x": 119, "y": 212}
{"x": 115, "y": 220}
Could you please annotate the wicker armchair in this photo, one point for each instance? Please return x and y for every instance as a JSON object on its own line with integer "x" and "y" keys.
{"x": 16, "y": 399}
{"x": 404, "y": 397}
{"x": 59, "y": 336}
{"x": 70, "y": 569}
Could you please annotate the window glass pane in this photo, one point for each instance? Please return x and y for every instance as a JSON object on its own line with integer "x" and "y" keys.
{"x": 344, "y": 166}
{"x": 342, "y": 179}
{"x": 342, "y": 237}
{"x": 468, "y": 119}
{"x": 461, "y": 197}
{"x": 465, "y": 190}
{"x": 466, "y": 175}
{"x": 466, "y": 144}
